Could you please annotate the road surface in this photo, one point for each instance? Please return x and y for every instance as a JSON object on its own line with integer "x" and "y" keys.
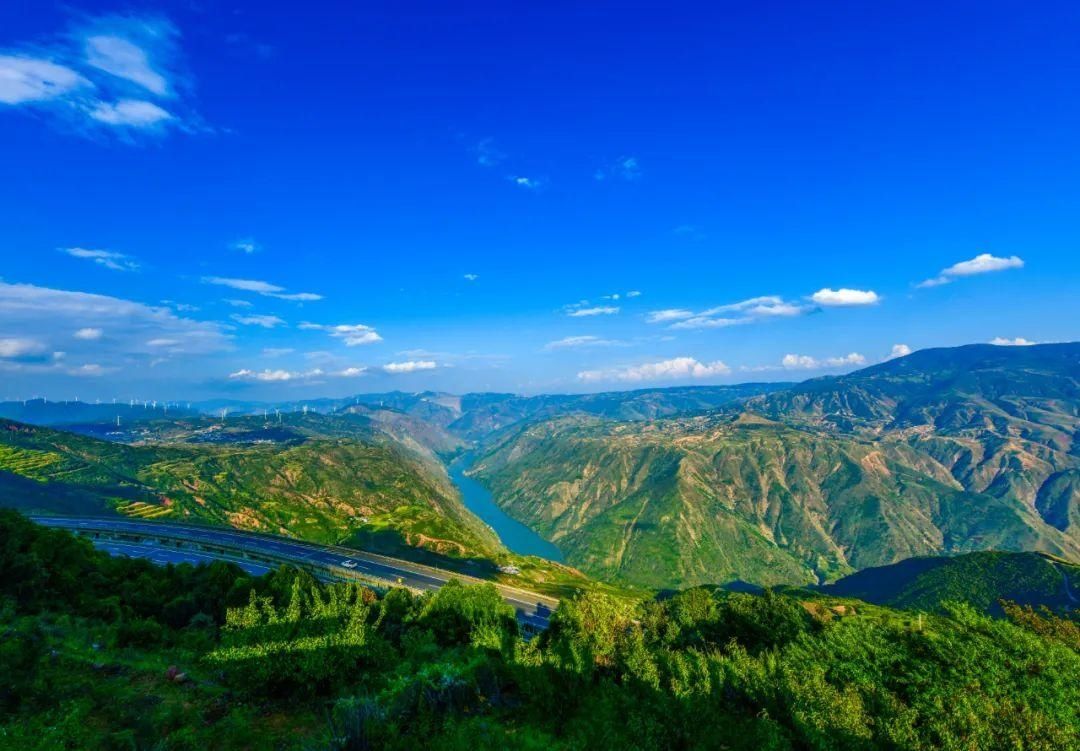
{"x": 166, "y": 542}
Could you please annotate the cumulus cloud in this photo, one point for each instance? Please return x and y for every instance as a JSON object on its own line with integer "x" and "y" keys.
{"x": 471, "y": 277}
{"x": 260, "y": 287}
{"x": 1019, "y": 341}
{"x": 845, "y": 297}
{"x": 806, "y": 362}
{"x": 110, "y": 259}
{"x": 266, "y": 321}
{"x": 88, "y": 334}
{"x": 984, "y": 263}
{"x": 899, "y": 350}
{"x": 678, "y": 368}
{"x": 124, "y": 74}
{"x": 246, "y": 374}
{"x": 353, "y": 334}
{"x": 409, "y": 366}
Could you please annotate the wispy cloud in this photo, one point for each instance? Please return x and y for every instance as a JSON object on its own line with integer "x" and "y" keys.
{"x": 110, "y": 259}
{"x": 623, "y": 168}
{"x": 731, "y": 314}
{"x": 845, "y": 297}
{"x": 585, "y": 309}
{"x": 277, "y": 351}
{"x": 121, "y": 73}
{"x": 19, "y": 347}
{"x": 984, "y": 263}
{"x": 353, "y": 334}
{"x": 487, "y": 154}
{"x": 580, "y": 342}
{"x": 246, "y": 245}
{"x": 678, "y": 368}
{"x": 137, "y": 333}
{"x": 265, "y": 321}
{"x": 470, "y": 277}
{"x": 261, "y": 288}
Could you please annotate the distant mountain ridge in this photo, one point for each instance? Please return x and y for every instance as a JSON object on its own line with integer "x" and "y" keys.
{"x": 942, "y": 451}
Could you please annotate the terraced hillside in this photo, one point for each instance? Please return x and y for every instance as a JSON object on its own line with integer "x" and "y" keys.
{"x": 320, "y": 488}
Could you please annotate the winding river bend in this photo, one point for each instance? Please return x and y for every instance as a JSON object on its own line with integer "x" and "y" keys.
{"x": 514, "y": 535}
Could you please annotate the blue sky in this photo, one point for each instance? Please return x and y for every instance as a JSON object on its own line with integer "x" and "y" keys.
{"x": 255, "y": 201}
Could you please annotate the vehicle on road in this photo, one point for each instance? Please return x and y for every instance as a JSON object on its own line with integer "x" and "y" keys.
{"x": 348, "y": 563}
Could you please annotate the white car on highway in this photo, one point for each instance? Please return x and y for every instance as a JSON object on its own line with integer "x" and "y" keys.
{"x": 348, "y": 563}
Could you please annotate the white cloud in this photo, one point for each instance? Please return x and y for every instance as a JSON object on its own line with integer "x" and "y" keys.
{"x": 20, "y": 347}
{"x": 27, "y": 80}
{"x": 845, "y": 297}
{"x": 984, "y": 263}
{"x": 135, "y": 113}
{"x": 597, "y": 310}
{"x": 576, "y": 342}
{"x": 246, "y": 245}
{"x": 678, "y": 368}
{"x": 163, "y": 342}
{"x": 88, "y": 334}
{"x": 92, "y": 370}
{"x": 135, "y": 330}
{"x": 806, "y": 362}
{"x": 354, "y": 335}
{"x": 731, "y": 314}
{"x": 703, "y": 322}
{"x": 899, "y": 350}
{"x": 277, "y": 351}
{"x": 669, "y": 314}
{"x": 633, "y": 293}
{"x": 352, "y": 372}
{"x": 124, "y": 59}
{"x": 409, "y": 366}
{"x": 528, "y": 183}
{"x": 108, "y": 258}
{"x": 266, "y": 321}
{"x": 239, "y": 303}
{"x": 260, "y": 287}
{"x": 471, "y": 277}
{"x": 109, "y": 72}
{"x": 271, "y": 375}
{"x": 1019, "y": 341}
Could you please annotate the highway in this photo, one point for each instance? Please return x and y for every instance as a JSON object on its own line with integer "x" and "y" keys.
{"x": 167, "y": 542}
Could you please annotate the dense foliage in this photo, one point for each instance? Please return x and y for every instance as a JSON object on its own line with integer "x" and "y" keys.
{"x": 112, "y": 653}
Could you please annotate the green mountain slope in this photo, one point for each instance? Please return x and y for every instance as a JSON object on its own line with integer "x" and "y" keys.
{"x": 943, "y": 451}
{"x": 978, "y": 579}
{"x": 313, "y": 486}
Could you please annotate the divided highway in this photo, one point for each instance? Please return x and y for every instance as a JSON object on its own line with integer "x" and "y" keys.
{"x": 166, "y": 542}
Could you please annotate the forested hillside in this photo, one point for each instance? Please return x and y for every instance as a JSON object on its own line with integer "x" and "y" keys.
{"x": 104, "y": 653}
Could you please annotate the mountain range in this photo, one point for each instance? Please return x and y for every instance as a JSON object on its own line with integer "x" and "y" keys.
{"x": 942, "y": 451}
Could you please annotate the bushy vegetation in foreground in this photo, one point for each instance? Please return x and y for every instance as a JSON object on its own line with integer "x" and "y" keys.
{"x": 109, "y": 653}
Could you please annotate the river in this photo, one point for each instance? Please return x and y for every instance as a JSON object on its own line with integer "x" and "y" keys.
{"x": 514, "y": 535}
